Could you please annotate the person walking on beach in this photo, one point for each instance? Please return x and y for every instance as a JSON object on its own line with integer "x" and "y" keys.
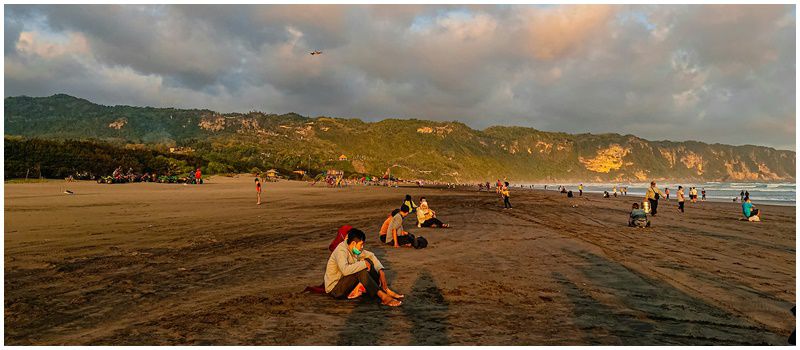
{"x": 693, "y": 191}
{"x": 653, "y": 194}
{"x": 198, "y": 176}
{"x": 505, "y": 193}
{"x": 666, "y": 193}
{"x": 580, "y": 190}
{"x": 746, "y": 195}
{"x": 352, "y": 271}
{"x": 258, "y": 191}
{"x": 615, "y": 191}
{"x": 680, "y": 198}
{"x": 703, "y": 193}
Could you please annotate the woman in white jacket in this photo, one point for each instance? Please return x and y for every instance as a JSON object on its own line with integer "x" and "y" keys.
{"x": 427, "y": 217}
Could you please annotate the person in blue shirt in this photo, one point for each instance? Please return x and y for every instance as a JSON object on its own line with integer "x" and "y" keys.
{"x": 749, "y": 210}
{"x": 638, "y": 217}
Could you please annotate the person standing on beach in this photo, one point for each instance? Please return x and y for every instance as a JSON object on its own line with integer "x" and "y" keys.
{"x": 746, "y": 195}
{"x": 197, "y": 176}
{"x": 258, "y": 191}
{"x": 506, "y": 195}
{"x": 580, "y": 190}
{"x": 680, "y": 198}
{"x": 653, "y": 194}
{"x": 741, "y": 195}
{"x": 615, "y": 191}
{"x": 703, "y": 193}
{"x": 666, "y": 193}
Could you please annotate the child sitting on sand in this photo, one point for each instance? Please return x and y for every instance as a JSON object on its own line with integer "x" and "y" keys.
{"x": 749, "y": 210}
{"x": 638, "y": 217}
{"x": 426, "y": 217}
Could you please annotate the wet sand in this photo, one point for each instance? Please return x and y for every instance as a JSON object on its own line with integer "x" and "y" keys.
{"x": 152, "y": 264}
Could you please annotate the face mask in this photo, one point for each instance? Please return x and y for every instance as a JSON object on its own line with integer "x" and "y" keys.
{"x": 356, "y": 251}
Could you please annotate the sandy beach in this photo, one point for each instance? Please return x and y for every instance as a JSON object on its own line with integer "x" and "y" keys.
{"x": 153, "y": 264}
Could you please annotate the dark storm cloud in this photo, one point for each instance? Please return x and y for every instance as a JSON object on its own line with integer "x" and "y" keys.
{"x": 718, "y": 73}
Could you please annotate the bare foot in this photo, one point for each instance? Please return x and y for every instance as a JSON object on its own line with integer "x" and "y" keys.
{"x": 357, "y": 292}
{"x": 394, "y": 295}
{"x": 445, "y": 225}
{"x": 392, "y": 302}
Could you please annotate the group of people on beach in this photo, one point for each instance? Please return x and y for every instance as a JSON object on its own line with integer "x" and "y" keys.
{"x": 638, "y": 216}
{"x": 352, "y": 271}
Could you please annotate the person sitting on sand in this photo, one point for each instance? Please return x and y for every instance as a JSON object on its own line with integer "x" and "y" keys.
{"x": 410, "y": 203}
{"x": 395, "y": 235}
{"x": 352, "y": 271}
{"x": 638, "y": 218}
{"x": 605, "y": 194}
{"x": 426, "y": 217}
{"x": 749, "y": 210}
{"x": 386, "y": 223}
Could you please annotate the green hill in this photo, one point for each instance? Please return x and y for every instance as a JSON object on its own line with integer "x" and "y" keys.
{"x": 446, "y": 151}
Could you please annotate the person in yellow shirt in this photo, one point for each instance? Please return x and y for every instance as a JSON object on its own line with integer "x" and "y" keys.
{"x": 504, "y": 192}
{"x": 652, "y": 196}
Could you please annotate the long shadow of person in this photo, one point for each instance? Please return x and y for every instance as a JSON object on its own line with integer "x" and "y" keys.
{"x": 427, "y": 310}
{"x": 369, "y": 320}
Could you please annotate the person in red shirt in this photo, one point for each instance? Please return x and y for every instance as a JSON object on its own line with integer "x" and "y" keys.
{"x": 197, "y": 176}
{"x": 258, "y": 191}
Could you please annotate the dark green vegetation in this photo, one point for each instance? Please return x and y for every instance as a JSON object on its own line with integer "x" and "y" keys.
{"x": 447, "y": 151}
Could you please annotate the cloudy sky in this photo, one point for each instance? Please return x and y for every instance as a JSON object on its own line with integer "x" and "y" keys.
{"x": 710, "y": 73}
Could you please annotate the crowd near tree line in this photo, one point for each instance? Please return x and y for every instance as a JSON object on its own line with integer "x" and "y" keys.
{"x": 96, "y": 159}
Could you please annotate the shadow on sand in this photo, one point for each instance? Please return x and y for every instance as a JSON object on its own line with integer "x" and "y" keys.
{"x": 619, "y": 306}
{"x": 424, "y": 309}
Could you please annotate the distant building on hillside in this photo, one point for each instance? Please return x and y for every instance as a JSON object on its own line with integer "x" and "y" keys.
{"x": 343, "y": 157}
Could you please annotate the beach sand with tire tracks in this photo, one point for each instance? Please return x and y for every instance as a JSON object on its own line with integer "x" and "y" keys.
{"x": 153, "y": 264}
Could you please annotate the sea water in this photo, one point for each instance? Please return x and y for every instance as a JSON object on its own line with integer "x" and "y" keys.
{"x": 766, "y": 193}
